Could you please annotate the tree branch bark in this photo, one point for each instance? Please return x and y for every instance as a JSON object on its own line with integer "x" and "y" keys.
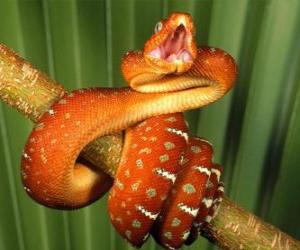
{"x": 32, "y": 92}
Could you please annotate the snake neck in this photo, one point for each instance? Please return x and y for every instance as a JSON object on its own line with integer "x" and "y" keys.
{"x": 210, "y": 77}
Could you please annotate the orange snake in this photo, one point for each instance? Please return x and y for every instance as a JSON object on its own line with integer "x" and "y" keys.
{"x": 166, "y": 183}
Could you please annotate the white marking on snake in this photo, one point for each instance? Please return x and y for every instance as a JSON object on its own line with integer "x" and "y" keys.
{"x": 146, "y": 237}
{"x": 26, "y": 156}
{"x": 170, "y": 247}
{"x": 185, "y": 235}
{"x": 203, "y": 170}
{"x": 216, "y": 172}
{"x": 218, "y": 200}
{"x": 208, "y": 218}
{"x": 166, "y": 174}
{"x": 147, "y": 213}
{"x": 178, "y": 132}
{"x": 188, "y": 210}
{"x": 51, "y": 111}
{"x": 207, "y": 202}
{"x": 208, "y": 142}
{"x": 221, "y": 189}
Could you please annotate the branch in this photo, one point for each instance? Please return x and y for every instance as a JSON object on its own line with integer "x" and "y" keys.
{"x": 235, "y": 228}
{"x": 32, "y": 92}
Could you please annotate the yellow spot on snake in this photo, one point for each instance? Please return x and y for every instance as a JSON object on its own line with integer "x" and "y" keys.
{"x": 118, "y": 219}
{"x": 67, "y": 115}
{"x": 139, "y": 163}
{"x": 195, "y": 149}
{"x": 164, "y": 158}
{"x": 189, "y": 188}
{"x": 62, "y": 101}
{"x": 32, "y": 140}
{"x": 136, "y": 223}
{"x": 119, "y": 184}
{"x": 171, "y": 119}
{"x": 53, "y": 141}
{"x": 135, "y": 186}
{"x": 145, "y": 150}
{"x": 176, "y": 222}
{"x": 128, "y": 234}
{"x": 169, "y": 145}
{"x": 168, "y": 235}
{"x": 142, "y": 124}
{"x": 153, "y": 139}
{"x": 151, "y": 192}
{"x": 127, "y": 173}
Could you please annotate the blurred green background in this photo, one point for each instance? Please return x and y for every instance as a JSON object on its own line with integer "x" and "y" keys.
{"x": 255, "y": 129}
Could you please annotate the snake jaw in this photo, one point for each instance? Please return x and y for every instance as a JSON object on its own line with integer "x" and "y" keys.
{"x": 173, "y": 47}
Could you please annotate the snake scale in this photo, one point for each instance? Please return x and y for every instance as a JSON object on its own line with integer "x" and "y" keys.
{"x": 166, "y": 185}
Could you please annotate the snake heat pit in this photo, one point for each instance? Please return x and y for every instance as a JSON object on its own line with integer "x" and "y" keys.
{"x": 166, "y": 185}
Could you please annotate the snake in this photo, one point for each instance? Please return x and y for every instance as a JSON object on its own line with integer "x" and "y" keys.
{"x": 167, "y": 184}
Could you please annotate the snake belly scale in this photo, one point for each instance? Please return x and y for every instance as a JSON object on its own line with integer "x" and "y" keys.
{"x": 166, "y": 184}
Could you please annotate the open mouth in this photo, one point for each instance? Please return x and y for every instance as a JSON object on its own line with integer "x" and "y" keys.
{"x": 175, "y": 47}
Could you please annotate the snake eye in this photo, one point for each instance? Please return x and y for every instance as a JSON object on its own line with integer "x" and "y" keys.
{"x": 158, "y": 27}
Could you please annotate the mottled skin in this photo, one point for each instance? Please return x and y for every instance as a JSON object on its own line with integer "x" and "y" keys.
{"x": 170, "y": 75}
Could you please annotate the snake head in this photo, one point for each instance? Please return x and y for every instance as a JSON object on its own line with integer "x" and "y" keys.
{"x": 172, "y": 48}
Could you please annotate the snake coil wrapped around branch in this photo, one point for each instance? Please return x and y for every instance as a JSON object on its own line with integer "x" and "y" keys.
{"x": 154, "y": 190}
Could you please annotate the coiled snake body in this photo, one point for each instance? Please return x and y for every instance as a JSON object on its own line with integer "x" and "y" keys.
{"x": 166, "y": 183}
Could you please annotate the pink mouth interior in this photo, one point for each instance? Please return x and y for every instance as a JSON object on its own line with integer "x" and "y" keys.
{"x": 174, "y": 47}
